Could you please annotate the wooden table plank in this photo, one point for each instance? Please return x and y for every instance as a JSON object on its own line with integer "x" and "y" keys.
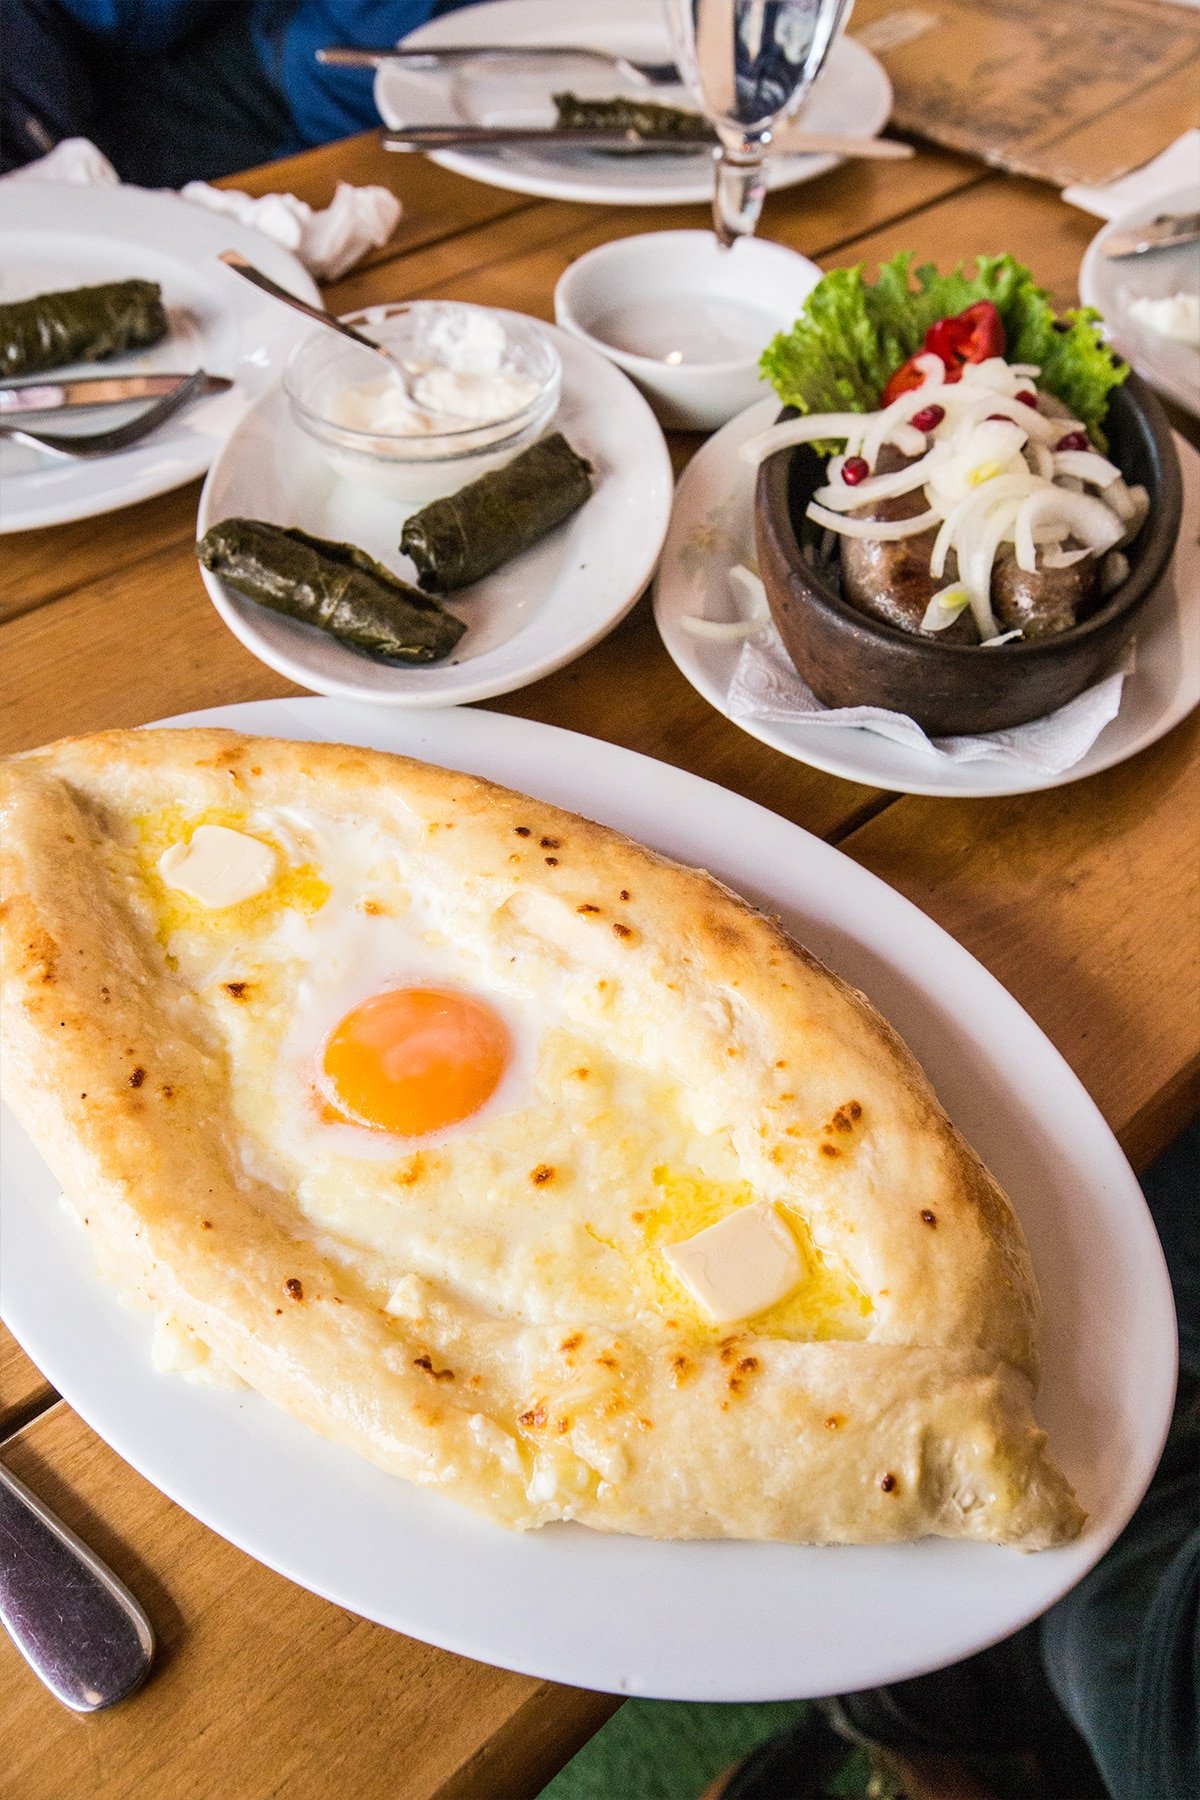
{"x": 231, "y": 1707}
{"x": 148, "y": 643}
{"x": 501, "y": 260}
{"x": 24, "y": 1390}
{"x": 1083, "y": 901}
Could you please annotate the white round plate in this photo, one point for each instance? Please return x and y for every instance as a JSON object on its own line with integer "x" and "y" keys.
{"x": 57, "y": 235}
{"x": 712, "y": 529}
{"x": 702, "y": 1621}
{"x": 1110, "y": 286}
{"x": 852, "y": 95}
{"x": 527, "y": 618}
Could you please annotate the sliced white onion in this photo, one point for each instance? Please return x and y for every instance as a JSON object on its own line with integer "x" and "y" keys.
{"x": 879, "y": 530}
{"x": 1090, "y": 521}
{"x": 1063, "y": 559}
{"x": 1088, "y": 465}
{"x": 1040, "y": 458}
{"x": 945, "y": 606}
{"x": 963, "y": 515}
{"x": 1113, "y": 571}
{"x": 721, "y": 631}
{"x": 747, "y": 587}
{"x": 839, "y": 497}
{"x": 933, "y": 372}
{"x": 807, "y": 430}
{"x": 750, "y": 596}
{"x": 1004, "y": 637}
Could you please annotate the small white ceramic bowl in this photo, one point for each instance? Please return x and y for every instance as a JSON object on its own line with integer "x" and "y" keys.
{"x": 685, "y": 319}
{"x": 323, "y": 369}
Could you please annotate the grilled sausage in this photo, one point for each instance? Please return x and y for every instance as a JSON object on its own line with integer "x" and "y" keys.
{"x": 891, "y": 581}
{"x": 1043, "y": 602}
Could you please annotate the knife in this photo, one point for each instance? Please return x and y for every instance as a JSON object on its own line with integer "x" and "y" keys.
{"x": 96, "y": 390}
{"x": 339, "y": 56}
{"x": 1162, "y": 233}
{"x": 787, "y": 142}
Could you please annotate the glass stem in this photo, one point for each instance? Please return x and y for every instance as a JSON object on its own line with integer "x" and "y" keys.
{"x": 741, "y": 183}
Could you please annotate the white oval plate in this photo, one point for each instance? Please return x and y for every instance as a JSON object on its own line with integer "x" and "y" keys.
{"x": 712, "y": 529}
{"x": 852, "y": 95}
{"x": 1110, "y": 286}
{"x": 57, "y": 235}
{"x": 527, "y": 618}
{"x": 701, "y": 1621}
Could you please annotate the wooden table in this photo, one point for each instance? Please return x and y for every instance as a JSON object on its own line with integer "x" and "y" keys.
{"x": 1081, "y": 900}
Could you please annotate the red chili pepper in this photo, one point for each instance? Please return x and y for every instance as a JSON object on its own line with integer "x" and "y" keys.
{"x": 971, "y": 336}
{"x": 907, "y": 377}
{"x": 854, "y": 470}
{"x": 928, "y": 418}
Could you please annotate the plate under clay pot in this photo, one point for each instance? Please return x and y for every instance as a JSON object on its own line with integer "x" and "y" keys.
{"x": 848, "y": 658}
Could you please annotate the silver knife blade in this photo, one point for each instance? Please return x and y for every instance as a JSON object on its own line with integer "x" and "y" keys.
{"x": 1162, "y": 233}
{"x": 96, "y": 390}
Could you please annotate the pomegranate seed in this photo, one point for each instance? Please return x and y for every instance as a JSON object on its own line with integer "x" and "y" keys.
{"x": 854, "y": 470}
{"x": 1027, "y": 397}
{"x": 928, "y": 417}
{"x": 1074, "y": 440}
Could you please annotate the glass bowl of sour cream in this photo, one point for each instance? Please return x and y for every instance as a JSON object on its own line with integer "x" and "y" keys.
{"x": 474, "y": 386}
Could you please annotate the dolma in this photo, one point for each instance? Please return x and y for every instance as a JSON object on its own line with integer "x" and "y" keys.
{"x": 642, "y": 118}
{"x": 79, "y": 325}
{"x": 337, "y": 587}
{"x": 457, "y": 541}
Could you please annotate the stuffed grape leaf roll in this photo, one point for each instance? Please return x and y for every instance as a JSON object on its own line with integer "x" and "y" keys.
{"x": 456, "y": 541}
{"x": 83, "y": 324}
{"x": 336, "y": 587}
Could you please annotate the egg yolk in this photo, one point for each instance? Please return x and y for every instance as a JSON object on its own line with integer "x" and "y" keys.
{"x": 414, "y": 1060}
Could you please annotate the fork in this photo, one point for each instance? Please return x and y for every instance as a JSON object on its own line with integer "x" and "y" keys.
{"x": 104, "y": 443}
{"x": 645, "y": 74}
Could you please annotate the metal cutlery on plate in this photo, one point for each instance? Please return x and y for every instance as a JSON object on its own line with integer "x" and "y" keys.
{"x": 652, "y": 74}
{"x": 15, "y": 405}
{"x": 789, "y": 142}
{"x": 1167, "y": 232}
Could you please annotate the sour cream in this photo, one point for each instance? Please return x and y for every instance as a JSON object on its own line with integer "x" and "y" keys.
{"x": 1176, "y": 316}
{"x": 463, "y": 379}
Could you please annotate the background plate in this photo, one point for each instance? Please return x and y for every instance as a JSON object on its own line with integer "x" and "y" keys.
{"x": 57, "y": 235}
{"x": 1110, "y": 285}
{"x": 852, "y": 95}
{"x": 530, "y": 616}
{"x": 709, "y": 1621}
{"x": 712, "y": 528}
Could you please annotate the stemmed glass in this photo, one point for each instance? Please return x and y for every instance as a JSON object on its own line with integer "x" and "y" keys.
{"x": 749, "y": 64}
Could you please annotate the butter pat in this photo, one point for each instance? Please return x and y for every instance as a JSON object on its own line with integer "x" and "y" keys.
{"x": 739, "y": 1266}
{"x": 218, "y": 867}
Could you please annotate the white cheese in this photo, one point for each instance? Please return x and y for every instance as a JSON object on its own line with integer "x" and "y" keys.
{"x": 218, "y": 867}
{"x": 1175, "y": 316}
{"x": 739, "y": 1266}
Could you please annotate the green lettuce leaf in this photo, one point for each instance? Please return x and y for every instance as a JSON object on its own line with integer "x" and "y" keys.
{"x": 853, "y": 335}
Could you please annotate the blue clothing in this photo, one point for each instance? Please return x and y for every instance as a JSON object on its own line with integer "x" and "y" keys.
{"x": 324, "y": 103}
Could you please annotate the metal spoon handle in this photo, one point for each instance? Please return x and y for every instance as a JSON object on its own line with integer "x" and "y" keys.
{"x": 76, "y": 1625}
{"x": 233, "y": 259}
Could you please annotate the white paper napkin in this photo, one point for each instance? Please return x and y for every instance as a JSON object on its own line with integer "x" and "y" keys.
{"x": 1178, "y": 166}
{"x": 327, "y": 242}
{"x": 766, "y": 686}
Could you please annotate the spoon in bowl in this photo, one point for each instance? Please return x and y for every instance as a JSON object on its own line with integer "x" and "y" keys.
{"x": 233, "y": 259}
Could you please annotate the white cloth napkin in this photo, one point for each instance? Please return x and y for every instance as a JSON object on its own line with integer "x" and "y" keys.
{"x": 1178, "y": 166}
{"x": 327, "y": 242}
{"x": 765, "y": 686}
